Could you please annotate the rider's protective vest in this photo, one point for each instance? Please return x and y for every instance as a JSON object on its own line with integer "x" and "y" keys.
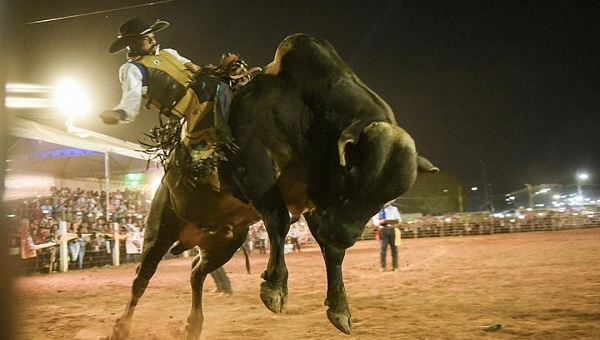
{"x": 168, "y": 89}
{"x": 168, "y": 81}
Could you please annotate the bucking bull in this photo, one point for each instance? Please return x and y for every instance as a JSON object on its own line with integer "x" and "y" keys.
{"x": 314, "y": 140}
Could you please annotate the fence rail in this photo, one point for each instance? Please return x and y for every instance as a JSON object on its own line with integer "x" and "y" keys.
{"x": 451, "y": 226}
{"x": 48, "y": 259}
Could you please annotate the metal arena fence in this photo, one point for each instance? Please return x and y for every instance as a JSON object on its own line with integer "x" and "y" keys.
{"x": 115, "y": 249}
{"x": 484, "y": 224}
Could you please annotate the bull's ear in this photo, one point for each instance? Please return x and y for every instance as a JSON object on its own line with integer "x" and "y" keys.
{"x": 350, "y": 135}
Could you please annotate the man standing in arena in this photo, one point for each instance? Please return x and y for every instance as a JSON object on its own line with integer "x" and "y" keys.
{"x": 387, "y": 221}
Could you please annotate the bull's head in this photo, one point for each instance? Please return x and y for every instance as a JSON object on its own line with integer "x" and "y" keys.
{"x": 379, "y": 163}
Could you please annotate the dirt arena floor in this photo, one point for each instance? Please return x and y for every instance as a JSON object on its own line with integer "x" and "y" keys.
{"x": 543, "y": 285}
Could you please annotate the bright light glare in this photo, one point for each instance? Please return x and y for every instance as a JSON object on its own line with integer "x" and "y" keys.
{"x": 20, "y": 96}
{"x": 27, "y": 103}
{"x": 583, "y": 176}
{"x": 21, "y": 186}
{"x": 26, "y": 88}
{"x": 71, "y": 99}
{"x": 154, "y": 186}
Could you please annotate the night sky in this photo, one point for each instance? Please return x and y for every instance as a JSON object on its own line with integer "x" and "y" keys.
{"x": 507, "y": 90}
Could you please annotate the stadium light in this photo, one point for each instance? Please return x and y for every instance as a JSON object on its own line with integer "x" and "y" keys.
{"x": 71, "y": 100}
{"x": 581, "y": 176}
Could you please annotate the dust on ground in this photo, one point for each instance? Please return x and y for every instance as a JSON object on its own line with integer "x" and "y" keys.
{"x": 542, "y": 285}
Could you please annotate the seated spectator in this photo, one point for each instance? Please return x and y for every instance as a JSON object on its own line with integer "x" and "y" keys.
{"x": 27, "y": 246}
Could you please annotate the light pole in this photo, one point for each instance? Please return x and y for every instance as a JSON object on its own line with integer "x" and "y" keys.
{"x": 72, "y": 101}
{"x": 530, "y": 195}
{"x": 460, "y": 200}
{"x": 581, "y": 176}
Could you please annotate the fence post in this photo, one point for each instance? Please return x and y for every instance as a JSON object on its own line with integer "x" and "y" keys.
{"x": 116, "y": 251}
{"x": 63, "y": 250}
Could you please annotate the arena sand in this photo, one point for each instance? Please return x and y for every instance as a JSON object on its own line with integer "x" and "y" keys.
{"x": 543, "y": 285}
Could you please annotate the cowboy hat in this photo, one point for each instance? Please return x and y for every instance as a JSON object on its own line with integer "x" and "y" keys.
{"x": 134, "y": 28}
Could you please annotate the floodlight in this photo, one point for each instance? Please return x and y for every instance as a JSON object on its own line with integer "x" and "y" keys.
{"x": 70, "y": 99}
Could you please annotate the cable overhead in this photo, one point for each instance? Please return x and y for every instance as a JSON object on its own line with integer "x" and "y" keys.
{"x": 97, "y": 12}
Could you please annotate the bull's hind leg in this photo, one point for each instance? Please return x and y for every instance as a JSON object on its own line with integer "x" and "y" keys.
{"x": 159, "y": 237}
{"x": 338, "y": 312}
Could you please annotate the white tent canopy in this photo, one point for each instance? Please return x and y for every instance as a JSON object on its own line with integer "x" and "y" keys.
{"x": 76, "y": 137}
{"x": 42, "y": 151}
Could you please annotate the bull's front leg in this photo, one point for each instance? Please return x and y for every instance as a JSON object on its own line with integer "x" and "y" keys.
{"x": 258, "y": 179}
{"x": 338, "y": 312}
{"x": 274, "y": 290}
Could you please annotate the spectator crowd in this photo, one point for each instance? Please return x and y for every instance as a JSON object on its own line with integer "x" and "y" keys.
{"x": 90, "y": 219}
{"x": 90, "y": 229}
{"x": 93, "y": 222}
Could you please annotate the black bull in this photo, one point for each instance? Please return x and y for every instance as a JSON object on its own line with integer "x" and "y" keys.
{"x": 313, "y": 140}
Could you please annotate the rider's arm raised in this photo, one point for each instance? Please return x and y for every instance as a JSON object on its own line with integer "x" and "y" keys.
{"x": 131, "y": 99}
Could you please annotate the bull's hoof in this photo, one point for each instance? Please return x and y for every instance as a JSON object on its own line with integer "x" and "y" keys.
{"x": 273, "y": 299}
{"x": 341, "y": 321}
{"x": 192, "y": 334}
{"x": 120, "y": 330}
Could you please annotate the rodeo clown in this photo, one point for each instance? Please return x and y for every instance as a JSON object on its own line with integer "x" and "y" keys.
{"x": 174, "y": 85}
